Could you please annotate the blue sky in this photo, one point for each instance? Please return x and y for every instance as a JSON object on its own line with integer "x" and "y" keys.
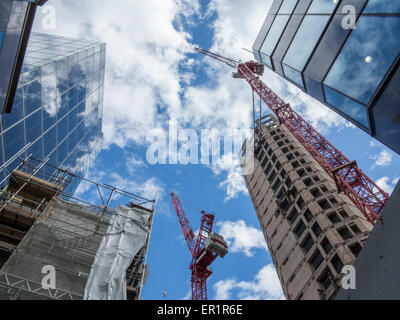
{"x": 152, "y": 76}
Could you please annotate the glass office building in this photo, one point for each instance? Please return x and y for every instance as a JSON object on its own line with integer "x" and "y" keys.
{"x": 16, "y": 19}
{"x": 351, "y": 68}
{"x": 57, "y": 110}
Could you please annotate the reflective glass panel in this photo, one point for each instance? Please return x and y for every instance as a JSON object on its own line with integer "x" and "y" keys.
{"x": 303, "y": 43}
{"x": 273, "y": 37}
{"x": 382, "y": 6}
{"x": 14, "y": 140}
{"x": 1, "y": 39}
{"x": 348, "y": 106}
{"x": 17, "y": 111}
{"x": 287, "y": 7}
{"x": 322, "y": 6}
{"x": 366, "y": 57}
{"x": 33, "y": 126}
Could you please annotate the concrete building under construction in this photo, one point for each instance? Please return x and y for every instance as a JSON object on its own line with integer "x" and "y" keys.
{"x": 95, "y": 250}
{"x": 311, "y": 229}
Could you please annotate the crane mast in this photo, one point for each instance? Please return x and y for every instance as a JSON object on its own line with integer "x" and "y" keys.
{"x": 368, "y": 197}
{"x": 204, "y": 251}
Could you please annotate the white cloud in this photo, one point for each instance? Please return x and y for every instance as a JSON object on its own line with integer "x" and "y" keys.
{"x": 144, "y": 51}
{"x": 241, "y": 237}
{"x": 387, "y": 184}
{"x": 234, "y": 184}
{"x": 265, "y": 286}
{"x": 383, "y": 159}
{"x": 144, "y": 84}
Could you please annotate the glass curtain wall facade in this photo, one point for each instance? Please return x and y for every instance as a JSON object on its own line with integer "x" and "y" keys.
{"x": 57, "y": 110}
{"x": 16, "y": 19}
{"x": 354, "y": 71}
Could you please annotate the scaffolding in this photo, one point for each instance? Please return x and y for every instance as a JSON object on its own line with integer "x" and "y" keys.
{"x": 41, "y": 225}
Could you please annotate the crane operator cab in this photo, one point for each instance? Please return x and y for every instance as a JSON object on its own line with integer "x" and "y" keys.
{"x": 216, "y": 243}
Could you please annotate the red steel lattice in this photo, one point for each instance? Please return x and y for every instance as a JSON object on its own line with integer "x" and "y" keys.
{"x": 369, "y": 198}
{"x": 201, "y": 258}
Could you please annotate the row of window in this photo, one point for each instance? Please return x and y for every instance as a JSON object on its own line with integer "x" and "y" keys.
{"x": 369, "y": 52}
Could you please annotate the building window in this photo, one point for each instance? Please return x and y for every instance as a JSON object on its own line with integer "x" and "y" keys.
{"x": 323, "y": 188}
{"x": 285, "y": 149}
{"x": 351, "y": 108}
{"x": 308, "y": 182}
{"x": 301, "y": 172}
{"x": 295, "y": 164}
{"x": 289, "y": 156}
{"x": 333, "y": 217}
{"x": 324, "y": 204}
{"x": 343, "y": 213}
{"x": 337, "y": 264}
{"x": 325, "y": 279}
{"x": 276, "y": 185}
{"x": 307, "y": 243}
{"x": 316, "y": 259}
{"x": 302, "y": 45}
{"x": 316, "y": 193}
{"x": 288, "y": 182}
{"x": 345, "y": 233}
{"x": 308, "y": 215}
{"x": 272, "y": 176}
{"x": 293, "y": 216}
{"x": 355, "y": 248}
{"x": 368, "y": 53}
{"x": 354, "y": 228}
{"x": 268, "y": 169}
{"x": 332, "y": 200}
{"x": 264, "y": 162}
{"x": 326, "y": 245}
{"x": 272, "y": 38}
{"x": 278, "y": 165}
{"x": 300, "y": 203}
{"x": 299, "y": 229}
{"x": 287, "y": 7}
{"x": 322, "y": 7}
{"x": 316, "y": 229}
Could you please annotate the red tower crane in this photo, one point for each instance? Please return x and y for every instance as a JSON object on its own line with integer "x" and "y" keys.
{"x": 207, "y": 247}
{"x": 365, "y": 194}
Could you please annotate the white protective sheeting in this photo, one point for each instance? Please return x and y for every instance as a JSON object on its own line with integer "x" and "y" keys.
{"x": 125, "y": 236}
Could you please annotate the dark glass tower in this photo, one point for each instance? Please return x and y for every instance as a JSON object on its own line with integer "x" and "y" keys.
{"x": 354, "y": 71}
{"x": 16, "y": 19}
{"x": 57, "y": 110}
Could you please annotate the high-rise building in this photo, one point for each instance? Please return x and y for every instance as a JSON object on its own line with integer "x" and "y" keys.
{"x": 311, "y": 229}
{"x": 57, "y": 246}
{"x": 16, "y": 20}
{"x": 57, "y": 110}
{"x": 344, "y": 53}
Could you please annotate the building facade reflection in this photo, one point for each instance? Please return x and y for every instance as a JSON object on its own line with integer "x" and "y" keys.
{"x": 58, "y": 107}
{"x": 354, "y": 71}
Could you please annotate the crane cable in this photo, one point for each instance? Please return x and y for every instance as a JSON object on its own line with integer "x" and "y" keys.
{"x": 193, "y": 206}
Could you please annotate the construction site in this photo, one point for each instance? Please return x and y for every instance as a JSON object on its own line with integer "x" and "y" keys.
{"x": 64, "y": 236}
{"x": 97, "y": 249}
